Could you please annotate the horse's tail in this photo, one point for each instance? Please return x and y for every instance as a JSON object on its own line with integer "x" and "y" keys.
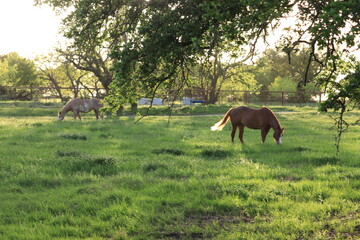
{"x": 221, "y": 124}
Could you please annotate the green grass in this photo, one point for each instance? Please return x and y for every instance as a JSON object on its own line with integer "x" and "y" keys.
{"x": 34, "y": 108}
{"x": 114, "y": 179}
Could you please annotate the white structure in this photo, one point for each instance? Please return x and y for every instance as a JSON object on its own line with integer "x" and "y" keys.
{"x": 157, "y": 101}
{"x": 188, "y": 101}
{"x": 144, "y": 101}
{"x": 147, "y": 101}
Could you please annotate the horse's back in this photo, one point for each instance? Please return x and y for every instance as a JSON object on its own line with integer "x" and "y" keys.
{"x": 96, "y": 102}
{"x": 252, "y": 118}
{"x": 86, "y": 105}
{"x": 266, "y": 112}
{"x": 244, "y": 116}
{"x": 244, "y": 111}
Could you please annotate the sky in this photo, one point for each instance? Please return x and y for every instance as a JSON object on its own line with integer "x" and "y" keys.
{"x": 27, "y": 29}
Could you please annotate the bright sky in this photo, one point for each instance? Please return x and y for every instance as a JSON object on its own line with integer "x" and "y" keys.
{"x": 27, "y": 29}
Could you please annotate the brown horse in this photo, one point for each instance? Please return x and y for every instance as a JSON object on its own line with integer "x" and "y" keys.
{"x": 78, "y": 105}
{"x": 262, "y": 118}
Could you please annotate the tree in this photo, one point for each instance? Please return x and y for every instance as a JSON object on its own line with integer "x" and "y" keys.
{"x": 274, "y": 64}
{"x": 285, "y": 84}
{"x": 91, "y": 61}
{"x": 165, "y": 37}
{"x": 91, "y": 35}
{"x": 328, "y": 28}
{"x": 173, "y": 36}
{"x": 210, "y": 75}
{"x": 16, "y": 72}
{"x": 242, "y": 79}
{"x": 64, "y": 78}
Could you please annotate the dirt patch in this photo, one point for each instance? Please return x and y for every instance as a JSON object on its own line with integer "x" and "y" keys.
{"x": 333, "y": 234}
{"x": 196, "y": 227}
{"x": 222, "y": 220}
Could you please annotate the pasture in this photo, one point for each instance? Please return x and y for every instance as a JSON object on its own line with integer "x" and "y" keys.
{"x": 156, "y": 179}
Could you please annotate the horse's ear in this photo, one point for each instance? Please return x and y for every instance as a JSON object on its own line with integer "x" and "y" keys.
{"x": 283, "y": 130}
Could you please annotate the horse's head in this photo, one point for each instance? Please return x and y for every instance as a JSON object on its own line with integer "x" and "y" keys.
{"x": 278, "y": 134}
{"x": 60, "y": 115}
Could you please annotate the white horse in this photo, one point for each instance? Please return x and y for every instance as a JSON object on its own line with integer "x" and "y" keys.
{"x": 78, "y": 105}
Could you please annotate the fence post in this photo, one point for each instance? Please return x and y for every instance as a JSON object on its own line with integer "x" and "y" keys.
{"x": 266, "y": 95}
{"x": 282, "y": 98}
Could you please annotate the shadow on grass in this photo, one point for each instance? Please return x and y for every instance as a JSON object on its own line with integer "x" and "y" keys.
{"x": 35, "y": 181}
{"x": 172, "y": 151}
{"x": 215, "y": 153}
{"x": 74, "y": 162}
{"x": 320, "y": 161}
{"x": 74, "y": 136}
{"x": 153, "y": 167}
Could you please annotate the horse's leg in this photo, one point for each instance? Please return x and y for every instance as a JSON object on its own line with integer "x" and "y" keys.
{"x": 264, "y": 132}
{"x": 233, "y": 132}
{"x": 78, "y": 114}
{"x": 96, "y": 114}
{"x": 75, "y": 113}
{"x": 241, "y": 133}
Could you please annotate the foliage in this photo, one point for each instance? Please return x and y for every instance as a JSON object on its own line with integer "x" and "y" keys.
{"x": 211, "y": 75}
{"x": 275, "y": 64}
{"x": 16, "y": 71}
{"x": 164, "y": 38}
{"x": 242, "y": 78}
{"x": 283, "y": 84}
{"x": 153, "y": 181}
{"x": 191, "y": 29}
{"x": 91, "y": 37}
{"x": 154, "y": 43}
{"x": 327, "y": 28}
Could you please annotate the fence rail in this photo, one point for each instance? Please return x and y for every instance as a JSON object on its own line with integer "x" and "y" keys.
{"x": 186, "y": 97}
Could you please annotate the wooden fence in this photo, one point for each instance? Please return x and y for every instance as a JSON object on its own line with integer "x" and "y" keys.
{"x": 196, "y": 97}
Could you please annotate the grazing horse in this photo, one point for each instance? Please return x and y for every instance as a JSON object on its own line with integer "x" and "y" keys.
{"x": 262, "y": 118}
{"x": 78, "y": 105}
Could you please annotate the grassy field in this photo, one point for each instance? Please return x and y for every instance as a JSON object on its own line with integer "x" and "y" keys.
{"x": 114, "y": 179}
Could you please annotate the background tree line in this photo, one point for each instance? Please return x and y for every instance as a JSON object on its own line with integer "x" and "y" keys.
{"x": 20, "y": 78}
{"x": 59, "y": 71}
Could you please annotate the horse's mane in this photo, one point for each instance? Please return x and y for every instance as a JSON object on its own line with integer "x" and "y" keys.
{"x": 277, "y": 120}
{"x": 68, "y": 104}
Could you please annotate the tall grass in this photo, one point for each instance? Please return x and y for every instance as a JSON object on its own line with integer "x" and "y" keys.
{"x": 114, "y": 179}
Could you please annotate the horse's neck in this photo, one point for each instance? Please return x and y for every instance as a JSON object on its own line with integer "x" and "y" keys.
{"x": 66, "y": 108}
{"x": 275, "y": 124}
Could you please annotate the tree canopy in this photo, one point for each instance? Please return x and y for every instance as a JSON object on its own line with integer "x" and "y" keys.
{"x": 153, "y": 42}
{"x": 17, "y": 71}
